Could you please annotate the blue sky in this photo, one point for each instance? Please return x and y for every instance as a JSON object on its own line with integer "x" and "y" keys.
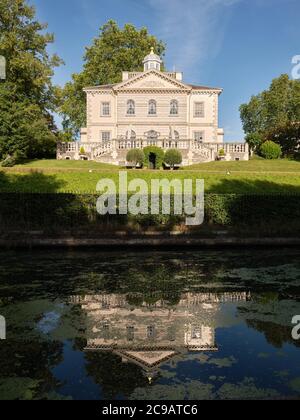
{"x": 239, "y": 45}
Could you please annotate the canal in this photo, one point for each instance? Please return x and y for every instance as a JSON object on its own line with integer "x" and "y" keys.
{"x": 150, "y": 325}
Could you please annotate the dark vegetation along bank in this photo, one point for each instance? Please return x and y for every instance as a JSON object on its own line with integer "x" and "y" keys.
{"x": 65, "y": 215}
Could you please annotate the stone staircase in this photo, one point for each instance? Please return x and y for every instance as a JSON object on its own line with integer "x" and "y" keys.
{"x": 202, "y": 153}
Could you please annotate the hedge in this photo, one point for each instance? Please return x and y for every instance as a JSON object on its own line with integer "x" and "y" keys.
{"x": 56, "y": 212}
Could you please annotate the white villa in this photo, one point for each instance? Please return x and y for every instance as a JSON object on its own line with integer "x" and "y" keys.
{"x": 152, "y": 108}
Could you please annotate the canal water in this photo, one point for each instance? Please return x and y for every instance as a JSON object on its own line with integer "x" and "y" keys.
{"x": 150, "y": 325}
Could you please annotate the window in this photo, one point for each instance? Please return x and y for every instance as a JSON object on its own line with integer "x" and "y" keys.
{"x": 199, "y": 136}
{"x": 105, "y": 136}
{"x": 105, "y": 109}
{"x": 130, "y": 333}
{"x": 199, "y": 110}
{"x": 151, "y": 331}
{"x": 131, "y": 107}
{"x": 196, "y": 333}
{"x": 176, "y": 135}
{"x": 106, "y": 330}
{"x": 152, "y": 107}
{"x": 174, "y": 108}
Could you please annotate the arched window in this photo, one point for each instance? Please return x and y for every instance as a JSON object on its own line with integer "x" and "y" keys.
{"x": 176, "y": 135}
{"x": 152, "y": 107}
{"x": 130, "y": 107}
{"x": 174, "y": 107}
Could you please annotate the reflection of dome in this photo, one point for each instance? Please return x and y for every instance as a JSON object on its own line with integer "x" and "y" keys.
{"x": 152, "y": 61}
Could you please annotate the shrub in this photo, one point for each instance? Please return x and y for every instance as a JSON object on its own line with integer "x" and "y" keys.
{"x": 270, "y": 150}
{"x": 8, "y": 162}
{"x": 159, "y": 156}
{"x": 173, "y": 157}
{"x": 136, "y": 157}
{"x": 82, "y": 151}
{"x": 12, "y": 160}
{"x": 222, "y": 153}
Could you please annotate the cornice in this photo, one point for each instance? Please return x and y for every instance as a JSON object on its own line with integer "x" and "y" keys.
{"x": 153, "y": 91}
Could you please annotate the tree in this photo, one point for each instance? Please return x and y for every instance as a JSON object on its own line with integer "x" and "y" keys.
{"x": 254, "y": 140}
{"x": 173, "y": 157}
{"x": 288, "y": 137}
{"x": 24, "y": 130}
{"x": 278, "y": 105}
{"x": 270, "y": 150}
{"x": 112, "y": 52}
{"x": 28, "y": 88}
{"x": 136, "y": 157}
{"x": 24, "y": 43}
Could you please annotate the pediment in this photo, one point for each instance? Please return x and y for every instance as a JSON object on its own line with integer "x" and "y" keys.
{"x": 152, "y": 80}
{"x": 149, "y": 358}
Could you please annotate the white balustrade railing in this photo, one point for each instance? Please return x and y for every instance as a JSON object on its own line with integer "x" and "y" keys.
{"x": 100, "y": 148}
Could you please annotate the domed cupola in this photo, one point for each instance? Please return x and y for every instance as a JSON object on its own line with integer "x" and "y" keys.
{"x": 152, "y": 61}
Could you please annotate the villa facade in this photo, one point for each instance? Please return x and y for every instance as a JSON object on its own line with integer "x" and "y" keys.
{"x": 153, "y": 334}
{"x": 152, "y": 108}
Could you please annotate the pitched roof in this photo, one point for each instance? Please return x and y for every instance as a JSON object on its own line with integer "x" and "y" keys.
{"x": 204, "y": 87}
{"x": 111, "y": 86}
{"x": 102, "y": 86}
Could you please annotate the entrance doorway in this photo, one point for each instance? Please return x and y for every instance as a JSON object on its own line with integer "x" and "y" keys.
{"x": 152, "y": 161}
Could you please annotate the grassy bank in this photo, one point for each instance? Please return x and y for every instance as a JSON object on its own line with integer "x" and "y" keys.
{"x": 253, "y": 177}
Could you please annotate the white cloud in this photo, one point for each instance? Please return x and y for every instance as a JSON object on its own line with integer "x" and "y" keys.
{"x": 193, "y": 29}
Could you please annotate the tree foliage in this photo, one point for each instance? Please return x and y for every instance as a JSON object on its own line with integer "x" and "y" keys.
{"x": 255, "y": 140}
{"x": 27, "y": 97}
{"x": 173, "y": 157}
{"x": 113, "y": 51}
{"x": 268, "y": 112}
{"x": 280, "y": 104}
{"x": 288, "y": 137}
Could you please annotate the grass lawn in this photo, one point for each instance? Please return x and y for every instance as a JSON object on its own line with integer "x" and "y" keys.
{"x": 256, "y": 176}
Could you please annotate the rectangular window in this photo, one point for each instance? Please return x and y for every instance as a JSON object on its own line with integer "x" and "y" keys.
{"x": 151, "y": 331}
{"x": 105, "y": 136}
{"x": 199, "y": 136}
{"x": 105, "y": 109}
{"x": 130, "y": 333}
{"x": 199, "y": 110}
{"x": 196, "y": 333}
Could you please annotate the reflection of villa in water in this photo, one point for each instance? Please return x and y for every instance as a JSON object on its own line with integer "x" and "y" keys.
{"x": 151, "y": 334}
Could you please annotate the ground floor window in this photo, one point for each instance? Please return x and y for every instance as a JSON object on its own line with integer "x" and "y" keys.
{"x": 105, "y": 136}
{"x": 199, "y": 136}
{"x": 151, "y": 331}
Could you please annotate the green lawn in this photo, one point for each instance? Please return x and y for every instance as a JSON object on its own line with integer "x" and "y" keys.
{"x": 255, "y": 176}
{"x": 255, "y": 165}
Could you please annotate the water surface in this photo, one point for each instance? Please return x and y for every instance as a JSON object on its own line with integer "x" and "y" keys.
{"x": 157, "y": 325}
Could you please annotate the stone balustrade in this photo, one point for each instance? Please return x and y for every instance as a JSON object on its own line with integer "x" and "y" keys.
{"x": 199, "y": 151}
